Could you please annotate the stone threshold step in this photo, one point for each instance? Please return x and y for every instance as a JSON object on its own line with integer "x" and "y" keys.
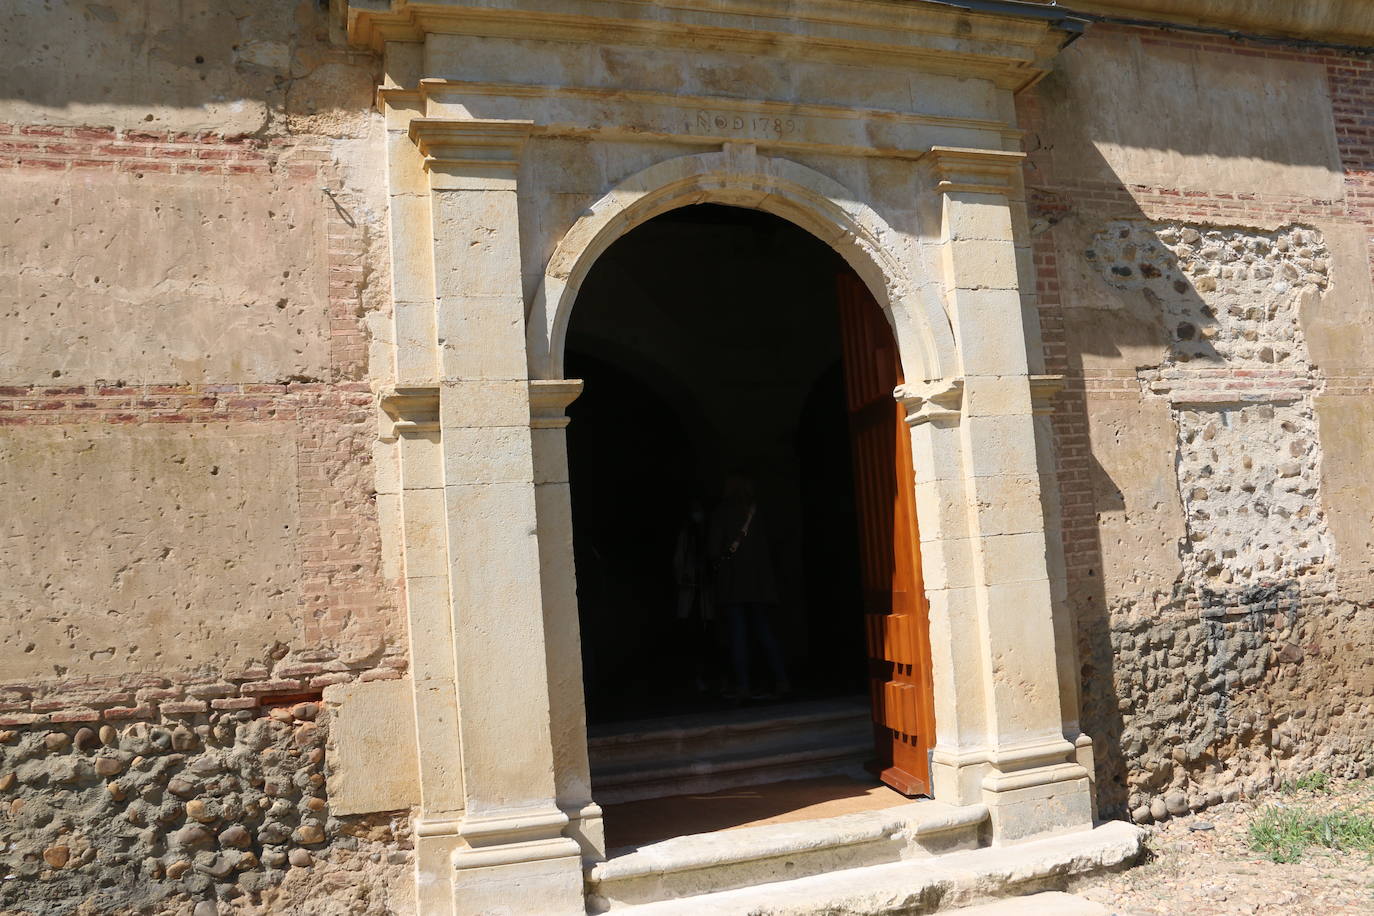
{"x": 749, "y": 856}
{"x": 706, "y": 753}
{"x": 711, "y": 774}
{"x": 920, "y": 886}
{"x": 1046, "y": 903}
{"x": 696, "y": 735}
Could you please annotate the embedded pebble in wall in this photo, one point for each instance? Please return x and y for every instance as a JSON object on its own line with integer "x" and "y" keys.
{"x": 218, "y": 805}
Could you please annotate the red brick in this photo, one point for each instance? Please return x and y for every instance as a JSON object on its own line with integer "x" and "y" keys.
{"x": 142, "y": 166}
{"x": 130, "y": 712}
{"x": 235, "y": 703}
{"x": 280, "y": 685}
{"x": 75, "y": 715}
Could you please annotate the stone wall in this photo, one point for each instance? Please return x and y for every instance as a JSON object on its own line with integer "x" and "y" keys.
{"x": 195, "y": 315}
{"x": 191, "y": 285}
{"x": 145, "y": 816}
{"x": 1209, "y": 303}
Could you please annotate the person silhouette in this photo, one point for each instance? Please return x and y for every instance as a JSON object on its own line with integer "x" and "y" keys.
{"x": 745, "y": 586}
{"x": 695, "y": 611}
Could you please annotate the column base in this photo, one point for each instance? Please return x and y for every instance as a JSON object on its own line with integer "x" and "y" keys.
{"x": 546, "y": 886}
{"x": 585, "y": 826}
{"x": 435, "y": 842}
{"x": 1037, "y": 790}
{"x": 510, "y": 864}
{"x": 1031, "y": 791}
{"x": 1087, "y": 758}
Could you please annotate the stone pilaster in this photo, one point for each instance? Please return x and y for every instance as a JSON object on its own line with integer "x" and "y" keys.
{"x": 512, "y": 854}
{"x": 414, "y": 415}
{"x": 549, "y": 400}
{"x": 994, "y": 582}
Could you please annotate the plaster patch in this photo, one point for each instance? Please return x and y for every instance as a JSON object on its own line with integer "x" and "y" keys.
{"x": 163, "y": 278}
{"x": 145, "y": 549}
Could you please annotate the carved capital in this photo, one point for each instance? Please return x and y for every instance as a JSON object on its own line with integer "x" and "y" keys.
{"x": 1043, "y": 390}
{"x": 470, "y": 148}
{"x": 412, "y": 410}
{"x": 982, "y": 171}
{"x": 549, "y": 400}
{"x": 928, "y": 402}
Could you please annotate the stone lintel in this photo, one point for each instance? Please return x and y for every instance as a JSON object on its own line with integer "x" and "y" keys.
{"x": 979, "y": 171}
{"x": 1342, "y": 21}
{"x": 926, "y": 402}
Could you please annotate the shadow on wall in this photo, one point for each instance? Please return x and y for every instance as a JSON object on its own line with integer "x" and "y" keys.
{"x": 233, "y": 66}
{"x": 1175, "y": 115}
{"x": 1193, "y": 528}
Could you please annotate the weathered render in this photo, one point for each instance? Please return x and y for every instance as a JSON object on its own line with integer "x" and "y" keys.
{"x": 288, "y": 605}
{"x": 1205, "y": 286}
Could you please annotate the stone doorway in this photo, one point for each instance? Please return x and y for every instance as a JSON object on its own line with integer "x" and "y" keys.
{"x": 686, "y": 379}
{"x": 689, "y": 378}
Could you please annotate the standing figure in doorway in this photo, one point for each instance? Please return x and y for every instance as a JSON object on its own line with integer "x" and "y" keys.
{"x": 696, "y": 609}
{"x": 745, "y": 587}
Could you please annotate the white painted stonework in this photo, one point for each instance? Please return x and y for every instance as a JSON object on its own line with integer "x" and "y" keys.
{"x": 524, "y": 138}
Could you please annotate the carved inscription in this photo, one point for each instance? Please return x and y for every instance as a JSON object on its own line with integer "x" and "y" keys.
{"x": 734, "y": 122}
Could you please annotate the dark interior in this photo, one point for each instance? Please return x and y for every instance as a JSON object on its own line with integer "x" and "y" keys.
{"x": 708, "y": 340}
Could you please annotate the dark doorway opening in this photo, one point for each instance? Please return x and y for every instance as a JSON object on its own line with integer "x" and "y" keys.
{"x": 709, "y": 342}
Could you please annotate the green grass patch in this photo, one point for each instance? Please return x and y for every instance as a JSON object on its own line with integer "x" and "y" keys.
{"x": 1284, "y": 834}
{"x": 1312, "y": 782}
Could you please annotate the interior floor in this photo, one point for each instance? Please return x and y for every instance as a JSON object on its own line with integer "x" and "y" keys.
{"x": 708, "y": 340}
{"x": 633, "y": 824}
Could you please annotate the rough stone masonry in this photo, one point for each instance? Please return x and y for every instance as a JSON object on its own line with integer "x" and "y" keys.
{"x": 141, "y": 816}
{"x": 1204, "y": 721}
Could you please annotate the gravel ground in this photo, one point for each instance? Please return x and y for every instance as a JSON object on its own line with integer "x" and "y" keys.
{"x": 1198, "y": 871}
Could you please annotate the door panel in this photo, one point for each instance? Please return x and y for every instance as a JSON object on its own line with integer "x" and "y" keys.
{"x": 895, "y": 610}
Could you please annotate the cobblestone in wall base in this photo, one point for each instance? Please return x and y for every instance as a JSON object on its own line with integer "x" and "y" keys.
{"x": 219, "y": 812}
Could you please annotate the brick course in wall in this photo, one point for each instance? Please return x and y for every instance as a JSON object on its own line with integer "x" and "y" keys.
{"x": 350, "y": 627}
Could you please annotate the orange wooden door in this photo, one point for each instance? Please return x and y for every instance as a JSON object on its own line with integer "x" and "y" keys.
{"x": 895, "y": 610}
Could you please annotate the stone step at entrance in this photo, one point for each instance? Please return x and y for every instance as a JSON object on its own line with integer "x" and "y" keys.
{"x": 746, "y": 857}
{"x": 914, "y": 885}
{"x": 743, "y": 747}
